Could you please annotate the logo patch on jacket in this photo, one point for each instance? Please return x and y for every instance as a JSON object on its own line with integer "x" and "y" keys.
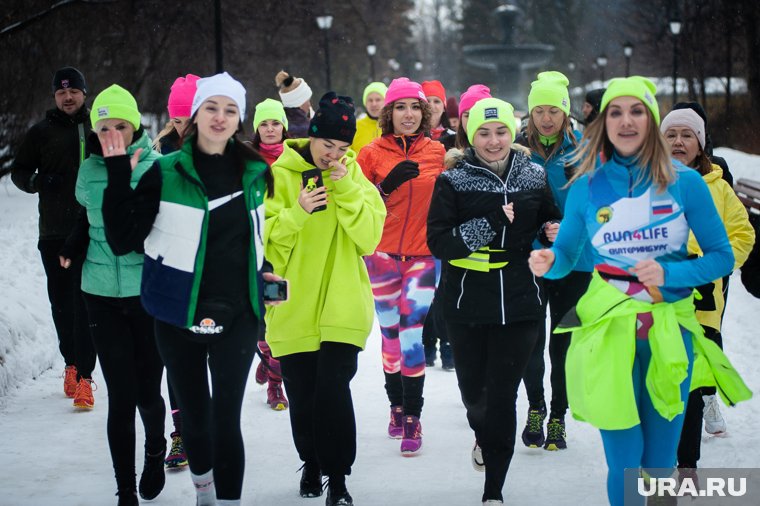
{"x": 207, "y": 326}
{"x": 604, "y": 215}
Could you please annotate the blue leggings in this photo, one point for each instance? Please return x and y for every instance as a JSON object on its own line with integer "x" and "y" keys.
{"x": 651, "y": 444}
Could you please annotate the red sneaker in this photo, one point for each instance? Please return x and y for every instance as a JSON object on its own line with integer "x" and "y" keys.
{"x": 83, "y": 398}
{"x": 275, "y": 397}
{"x": 70, "y": 381}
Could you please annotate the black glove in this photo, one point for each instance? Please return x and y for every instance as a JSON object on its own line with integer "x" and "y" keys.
{"x": 400, "y": 174}
{"x": 47, "y": 182}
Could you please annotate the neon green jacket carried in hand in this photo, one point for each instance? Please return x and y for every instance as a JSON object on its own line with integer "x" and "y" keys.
{"x": 602, "y": 350}
{"x": 320, "y": 254}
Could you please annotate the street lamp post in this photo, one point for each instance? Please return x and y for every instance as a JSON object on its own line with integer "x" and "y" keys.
{"x": 218, "y": 36}
{"x": 324, "y": 23}
{"x": 627, "y": 52}
{"x": 601, "y": 62}
{"x": 371, "y": 50}
{"x": 675, "y": 29}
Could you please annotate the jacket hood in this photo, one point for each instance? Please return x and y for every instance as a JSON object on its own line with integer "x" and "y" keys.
{"x": 716, "y": 173}
{"x": 456, "y": 155}
{"x": 291, "y": 158}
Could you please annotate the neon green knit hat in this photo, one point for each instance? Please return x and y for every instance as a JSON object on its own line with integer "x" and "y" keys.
{"x": 550, "y": 89}
{"x": 269, "y": 109}
{"x": 634, "y": 86}
{"x": 490, "y": 110}
{"x": 115, "y": 103}
{"x": 376, "y": 87}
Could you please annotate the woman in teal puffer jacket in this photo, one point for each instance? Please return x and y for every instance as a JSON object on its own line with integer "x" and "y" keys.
{"x": 122, "y": 331}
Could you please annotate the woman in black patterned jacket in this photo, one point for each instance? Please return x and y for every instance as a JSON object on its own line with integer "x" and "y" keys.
{"x": 486, "y": 211}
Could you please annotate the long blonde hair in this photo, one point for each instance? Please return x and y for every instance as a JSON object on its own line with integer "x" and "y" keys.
{"x": 654, "y": 153}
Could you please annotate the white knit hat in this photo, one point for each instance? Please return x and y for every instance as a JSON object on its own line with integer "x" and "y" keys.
{"x": 294, "y": 91}
{"x": 220, "y": 84}
{"x": 686, "y": 118}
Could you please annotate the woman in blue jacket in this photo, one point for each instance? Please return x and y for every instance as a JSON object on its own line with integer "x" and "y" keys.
{"x": 552, "y": 141}
{"x": 636, "y": 210}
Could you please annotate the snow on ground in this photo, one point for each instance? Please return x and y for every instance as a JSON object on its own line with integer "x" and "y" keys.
{"x": 52, "y": 454}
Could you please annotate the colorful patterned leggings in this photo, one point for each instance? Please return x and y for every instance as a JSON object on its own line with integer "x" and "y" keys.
{"x": 403, "y": 290}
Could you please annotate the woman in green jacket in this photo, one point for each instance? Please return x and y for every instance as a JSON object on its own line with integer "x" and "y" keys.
{"x": 315, "y": 237}
{"x": 122, "y": 331}
{"x": 198, "y": 214}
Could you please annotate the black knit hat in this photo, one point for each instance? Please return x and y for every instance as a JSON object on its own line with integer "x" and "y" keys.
{"x": 69, "y": 77}
{"x": 335, "y": 118}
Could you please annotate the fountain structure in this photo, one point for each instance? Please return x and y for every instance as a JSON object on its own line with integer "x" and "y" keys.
{"x": 508, "y": 61}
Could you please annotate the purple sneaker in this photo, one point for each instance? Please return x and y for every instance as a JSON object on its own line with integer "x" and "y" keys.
{"x": 412, "y": 441}
{"x": 395, "y": 427}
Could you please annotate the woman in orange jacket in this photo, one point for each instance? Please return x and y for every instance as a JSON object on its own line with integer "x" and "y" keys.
{"x": 404, "y": 165}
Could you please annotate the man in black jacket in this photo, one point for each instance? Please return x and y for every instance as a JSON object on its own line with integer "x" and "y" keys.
{"x": 47, "y": 163}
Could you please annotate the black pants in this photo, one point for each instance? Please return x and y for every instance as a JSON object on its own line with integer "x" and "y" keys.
{"x": 490, "y": 362}
{"x": 211, "y": 425}
{"x": 123, "y": 335}
{"x": 321, "y": 409}
{"x": 562, "y": 295}
{"x": 68, "y": 307}
{"x": 691, "y": 434}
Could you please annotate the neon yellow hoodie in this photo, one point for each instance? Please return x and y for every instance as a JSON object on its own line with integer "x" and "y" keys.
{"x": 602, "y": 351}
{"x": 320, "y": 255}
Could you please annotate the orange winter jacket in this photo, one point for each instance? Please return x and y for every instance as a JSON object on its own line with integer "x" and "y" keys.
{"x": 405, "y": 230}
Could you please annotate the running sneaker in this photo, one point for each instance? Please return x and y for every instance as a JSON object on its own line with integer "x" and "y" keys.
{"x": 70, "y": 381}
{"x": 714, "y": 422}
{"x": 533, "y": 434}
{"x": 177, "y": 458}
{"x": 395, "y": 427}
{"x": 275, "y": 397}
{"x": 555, "y": 435}
{"x": 477, "y": 459}
{"x": 411, "y": 443}
{"x": 83, "y": 398}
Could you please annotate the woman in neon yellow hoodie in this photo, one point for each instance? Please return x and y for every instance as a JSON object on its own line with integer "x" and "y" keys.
{"x": 319, "y": 332}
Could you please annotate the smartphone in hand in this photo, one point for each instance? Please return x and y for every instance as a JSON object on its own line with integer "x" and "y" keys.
{"x": 312, "y": 179}
{"x": 275, "y": 291}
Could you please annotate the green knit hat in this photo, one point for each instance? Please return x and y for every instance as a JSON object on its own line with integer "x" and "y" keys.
{"x": 550, "y": 89}
{"x": 115, "y": 103}
{"x": 634, "y": 86}
{"x": 376, "y": 87}
{"x": 269, "y": 109}
{"x": 490, "y": 110}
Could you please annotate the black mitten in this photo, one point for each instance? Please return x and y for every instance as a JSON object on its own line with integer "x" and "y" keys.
{"x": 401, "y": 173}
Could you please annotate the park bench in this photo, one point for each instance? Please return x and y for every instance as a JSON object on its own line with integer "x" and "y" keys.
{"x": 748, "y": 191}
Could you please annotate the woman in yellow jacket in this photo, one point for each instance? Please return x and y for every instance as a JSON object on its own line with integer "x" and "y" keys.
{"x": 684, "y": 130}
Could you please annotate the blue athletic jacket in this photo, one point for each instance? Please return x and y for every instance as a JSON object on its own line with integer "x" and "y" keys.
{"x": 627, "y": 219}
{"x": 558, "y": 171}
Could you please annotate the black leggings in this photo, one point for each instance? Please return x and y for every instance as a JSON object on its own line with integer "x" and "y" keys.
{"x": 690, "y": 444}
{"x": 321, "y": 408}
{"x": 490, "y": 362}
{"x": 68, "y": 308}
{"x": 123, "y": 336}
{"x": 562, "y": 295}
{"x": 211, "y": 425}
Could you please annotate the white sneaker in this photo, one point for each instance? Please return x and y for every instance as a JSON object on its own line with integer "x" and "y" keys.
{"x": 477, "y": 459}
{"x": 714, "y": 422}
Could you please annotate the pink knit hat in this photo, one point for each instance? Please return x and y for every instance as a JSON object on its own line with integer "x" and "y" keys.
{"x": 404, "y": 88}
{"x": 181, "y": 96}
{"x": 473, "y": 94}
